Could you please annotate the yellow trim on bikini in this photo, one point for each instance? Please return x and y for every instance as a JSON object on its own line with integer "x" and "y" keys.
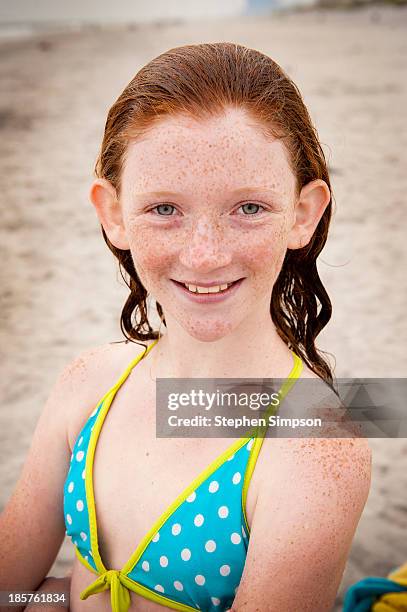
{"x": 260, "y": 433}
{"x": 90, "y": 457}
{"x": 140, "y": 589}
{"x": 84, "y": 562}
{"x": 135, "y": 587}
{"x": 179, "y": 501}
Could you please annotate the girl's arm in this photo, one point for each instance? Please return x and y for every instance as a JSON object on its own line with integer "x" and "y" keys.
{"x": 304, "y": 522}
{"x": 32, "y": 525}
{"x": 52, "y": 585}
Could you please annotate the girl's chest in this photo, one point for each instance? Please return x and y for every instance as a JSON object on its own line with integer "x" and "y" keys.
{"x": 135, "y": 479}
{"x": 138, "y": 477}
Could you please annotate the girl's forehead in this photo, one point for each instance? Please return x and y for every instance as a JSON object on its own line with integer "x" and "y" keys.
{"x": 216, "y": 151}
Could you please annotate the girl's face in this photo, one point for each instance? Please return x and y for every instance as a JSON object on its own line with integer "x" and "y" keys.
{"x": 209, "y": 204}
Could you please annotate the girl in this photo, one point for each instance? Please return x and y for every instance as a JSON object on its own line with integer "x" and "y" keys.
{"x": 213, "y": 193}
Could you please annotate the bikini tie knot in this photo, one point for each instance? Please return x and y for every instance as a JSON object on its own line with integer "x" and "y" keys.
{"x": 119, "y": 594}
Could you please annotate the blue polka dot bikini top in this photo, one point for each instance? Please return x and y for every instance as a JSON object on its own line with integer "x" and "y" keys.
{"x": 193, "y": 556}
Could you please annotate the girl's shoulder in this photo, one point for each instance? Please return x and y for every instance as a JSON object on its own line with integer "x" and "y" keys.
{"x": 336, "y": 435}
{"x": 88, "y": 377}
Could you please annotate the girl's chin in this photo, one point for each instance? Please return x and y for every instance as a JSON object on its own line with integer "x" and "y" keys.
{"x": 210, "y": 333}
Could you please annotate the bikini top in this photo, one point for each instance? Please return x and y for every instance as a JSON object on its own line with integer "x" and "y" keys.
{"x": 193, "y": 556}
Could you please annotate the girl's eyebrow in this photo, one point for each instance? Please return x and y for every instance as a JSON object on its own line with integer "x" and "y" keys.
{"x": 234, "y": 192}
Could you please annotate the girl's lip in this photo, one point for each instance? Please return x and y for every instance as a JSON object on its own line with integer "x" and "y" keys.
{"x": 208, "y": 298}
{"x": 202, "y": 284}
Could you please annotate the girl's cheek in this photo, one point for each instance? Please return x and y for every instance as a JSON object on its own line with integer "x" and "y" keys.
{"x": 151, "y": 250}
{"x": 268, "y": 246}
{"x": 151, "y": 260}
{"x": 154, "y": 262}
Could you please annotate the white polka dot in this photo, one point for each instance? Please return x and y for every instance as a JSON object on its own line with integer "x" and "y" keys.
{"x": 83, "y": 474}
{"x": 224, "y": 570}
{"x": 199, "y": 520}
{"x": 90, "y": 552}
{"x": 178, "y": 585}
{"x": 159, "y": 588}
{"x": 185, "y": 554}
{"x": 176, "y": 529}
{"x": 79, "y": 505}
{"x": 80, "y": 455}
{"x": 80, "y": 441}
{"x": 223, "y": 512}
{"x": 86, "y": 558}
{"x": 250, "y": 444}
{"x": 215, "y": 601}
{"x": 213, "y": 487}
{"x": 145, "y": 566}
{"x": 70, "y": 487}
{"x": 69, "y": 519}
{"x": 83, "y": 536}
{"x": 210, "y": 546}
{"x": 156, "y": 537}
{"x": 230, "y": 459}
{"x": 94, "y": 412}
{"x": 191, "y": 497}
{"x": 163, "y": 561}
{"x": 243, "y": 532}
{"x": 199, "y": 579}
{"x": 237, "y": 478}
{"x": 235, "y": 538}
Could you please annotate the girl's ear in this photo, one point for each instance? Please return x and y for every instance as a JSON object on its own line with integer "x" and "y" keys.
{"x": 311, "y": 204}
{"x": 108, "y": 209}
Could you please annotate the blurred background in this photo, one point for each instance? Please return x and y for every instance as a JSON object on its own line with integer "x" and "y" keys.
{"x": 63, "y": 64}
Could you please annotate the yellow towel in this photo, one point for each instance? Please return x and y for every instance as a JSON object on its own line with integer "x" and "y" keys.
{"x": 394, "y": 602}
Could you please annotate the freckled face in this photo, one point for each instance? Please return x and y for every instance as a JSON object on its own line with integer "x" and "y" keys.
{"x": 225, "y": 215}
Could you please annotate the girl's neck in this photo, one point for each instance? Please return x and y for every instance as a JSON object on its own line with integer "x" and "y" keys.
{"x": 258, "y": 353}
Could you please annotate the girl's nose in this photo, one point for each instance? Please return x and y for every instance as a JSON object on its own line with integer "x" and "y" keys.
{"x": 205, "y": 248}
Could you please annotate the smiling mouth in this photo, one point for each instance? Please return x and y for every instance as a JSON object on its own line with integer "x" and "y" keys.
{"x": 199, "y": 289}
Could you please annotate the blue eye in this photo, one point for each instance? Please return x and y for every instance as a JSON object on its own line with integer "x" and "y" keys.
{"x": 249, "y": 209}
{"x": 166, "y": 209}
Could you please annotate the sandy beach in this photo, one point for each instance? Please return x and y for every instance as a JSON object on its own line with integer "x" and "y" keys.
{"x": 61, "y": 291}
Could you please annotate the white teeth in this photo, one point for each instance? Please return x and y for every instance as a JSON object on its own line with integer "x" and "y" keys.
{"x": 214, "y": 289}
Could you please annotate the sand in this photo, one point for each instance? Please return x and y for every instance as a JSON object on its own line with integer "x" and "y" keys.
{"x": 60, "y": 287}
